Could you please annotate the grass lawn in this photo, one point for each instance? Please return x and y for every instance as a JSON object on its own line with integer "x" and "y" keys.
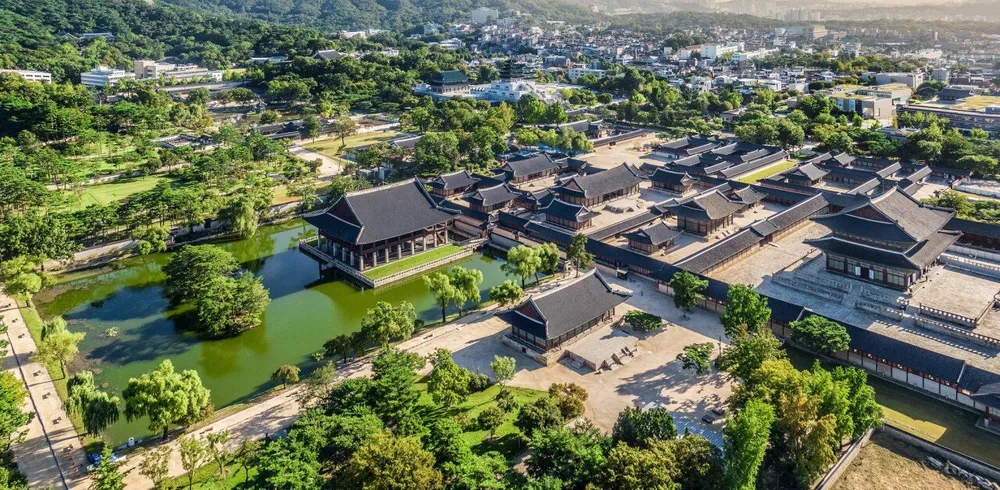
{"x": 887, "y": 464}
{"x": 506, "y": 441}
{"x": 330, "y": 146}
{"x": 767, "y": 172}
{"x": 925, "y": 417}
{"x": 103, "y": 194}
{"x": 412, "y": 261}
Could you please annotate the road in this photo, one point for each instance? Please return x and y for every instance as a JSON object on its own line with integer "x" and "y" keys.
{"x": 51, "y": 453}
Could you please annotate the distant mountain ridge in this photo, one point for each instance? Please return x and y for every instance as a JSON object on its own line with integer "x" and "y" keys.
{"x": 374, "y": 14}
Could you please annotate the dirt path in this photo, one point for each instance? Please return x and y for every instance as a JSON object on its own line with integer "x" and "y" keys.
{"x": 329, "y": 167}
{"x": 51, "y": 454}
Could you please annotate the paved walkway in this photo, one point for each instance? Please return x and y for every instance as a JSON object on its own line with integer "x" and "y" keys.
{"x": 52, "y": 452}
{"x": 329, "y": 168}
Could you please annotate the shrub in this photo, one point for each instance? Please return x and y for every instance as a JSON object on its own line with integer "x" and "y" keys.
{"x": 478, "y": 382}
{"x": 642, "y": 321}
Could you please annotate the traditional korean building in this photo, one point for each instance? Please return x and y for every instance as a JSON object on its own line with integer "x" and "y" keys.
{"x": 489, "y": 199}
{"x": 594, "y": 189}
{"x": 653, "y": 238}
{"x": 685, "y": 147}
{"x": 703, "y": 214}
{"x": 672, "y": 181}
{"x": 890, "y": 240}
{"x": 547, "y": 320}
{"x": 368, "y": 228}
{"x": 451, "y": 81}
{"x": 572, "y": 216}
{"x": 807, "y": 174}
{"x": 518, "y": 170}
{"x": 445, "y": 185}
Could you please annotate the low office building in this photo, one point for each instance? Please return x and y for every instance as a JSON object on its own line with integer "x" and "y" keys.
{"x": 548, "y": 320}
{"x": 368, "y": 228}
{"x": 594, "y": 189}
{"x": 172, "y": 72}
{"x": 866, "y": 106}
{"x": 103, "y": 76}
{"x": 32, "y": 75}
{"x": 890, "y": 240}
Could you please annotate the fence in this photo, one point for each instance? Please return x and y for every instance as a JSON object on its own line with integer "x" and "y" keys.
{"x": 947, "y": 316}
{"x": 958, "y": 333}
{"x": 972, "y": 265}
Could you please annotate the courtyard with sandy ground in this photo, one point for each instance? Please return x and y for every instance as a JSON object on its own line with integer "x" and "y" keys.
{"x": 652, "y": 376}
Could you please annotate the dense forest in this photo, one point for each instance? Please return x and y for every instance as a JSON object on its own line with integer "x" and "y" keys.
{"x": 386, "y": 14}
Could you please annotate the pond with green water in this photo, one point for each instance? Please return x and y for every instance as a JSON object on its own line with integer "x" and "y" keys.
{"x": 131, "y": 328}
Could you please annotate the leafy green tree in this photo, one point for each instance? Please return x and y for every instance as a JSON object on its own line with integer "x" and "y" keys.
{"x": 286, "y": 374}
{"x": 390, "y": 463}
{"x": 448, "y": 383}
{"x": 629, "y": 467}
{"x": 310, "y": 127}
{"x": 392, "y": 394}
{"x": 688, "y": 289}
{"x": 155, "y": 464}
{"x": 503, "y": 370}
{"x": 697, "y": 357}
{"x": 574, "y": 455}
{"x": 642, "y": 321}
{"x": 746, "y": 436}
{"x": 820, "y": 334}
{"x": 58, "y": 344}
{"x": 980, "y": 164}
{"x": 344, "y": 128}
{"x": 167, "y": 397}
{"x": 385, "y": 322}
{"x": 193, "y": 452}
{"x": 444, "y": 292}
{"x": 806, "y": 438}
{"x": 569, "y": 397}
{"x": 747, "y": 312}
{"x": 541, "y": 414}
{"x": 701, "y": 463}
{"x": 96, "y": 408}
{"x": 246, "y": 456}
{"x": 506, "y": 293}
{"x": 12, "y": 398}
{"x": 243, "y": 217}
{"x": 436, "y": 153}
{"x": 107, "y": 476}
{"x": 549, "y": 255}
{"x": 467, "y": 283}
{"x": 490, "y": 419}
{"x": 151, "y": 239}
{"x": 190, "y": 270}
{"x": 742, "y": 357}
{"x": 231, "y": 306}
{"x": 288, "y": 465}
{"x": 523, "y": 262}
{"x": 215, "y": 447}
{"x": 21, "y": 277}
{"x": 864, "y": 411}
{"x": 638, "y": 428}
{"x": 577, "y": 254}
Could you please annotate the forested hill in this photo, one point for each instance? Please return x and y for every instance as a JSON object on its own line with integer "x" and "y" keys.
{"x": 32, "y": 35}
{"x": 387, "y": 14}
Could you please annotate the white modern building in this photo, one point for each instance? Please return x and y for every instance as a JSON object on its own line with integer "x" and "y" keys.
{"x": 912, "y": 80}
{"x": 170, "y": 72}
{"x": 103, "y": 76}
{"x": 716, "y": 51}
{"x": 32, "y": 75}
{"x": 579, "y": 70}
{"x": 483, "y": 15}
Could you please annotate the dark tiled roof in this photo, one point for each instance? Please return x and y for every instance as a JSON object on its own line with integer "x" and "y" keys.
{"x": 916, "y": 258}
{"x": 567, "y": 211}
{"x": 655, "y": 235}
{"x": 649, "y": 168}
{"x": 746, "y": 195}
{"x": 454, "y": 180}
{"x": 671, "y": 177}
{"x": 928, "y": 251}
{"x": 624, "y": 225}
{"x": 720, "y": 251}
{"x": 973, "y": 227}
{"x": 450, "y": 76}
{"x": 381, "y": 213}
{"x": 709, "y": 205}
{"x": 490, "y": 196}
{"x": 923, "y": 360}
{"x": 530, "y": 165}
{"x": 606, "y": 182}
{"x": 567, "y": 307}
{"x": 807, "y": 171}
{"x": 914, "y": 220}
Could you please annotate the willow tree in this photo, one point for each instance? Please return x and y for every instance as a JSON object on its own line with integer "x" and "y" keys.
{"x": 96, "y": 408}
